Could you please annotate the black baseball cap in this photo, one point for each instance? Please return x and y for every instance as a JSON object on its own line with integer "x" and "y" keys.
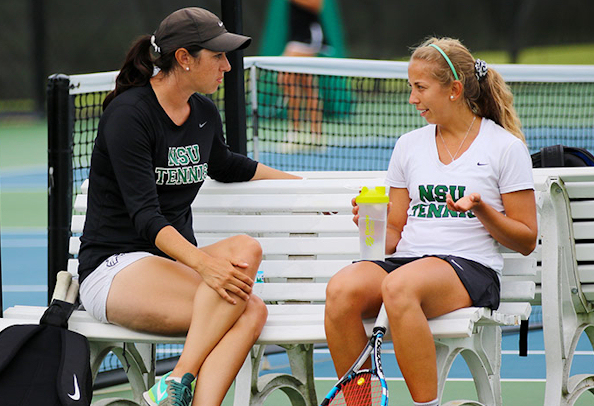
{"x": 196, "y": 26}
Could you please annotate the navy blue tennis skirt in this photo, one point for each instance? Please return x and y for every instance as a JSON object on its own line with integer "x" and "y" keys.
{"x": 481, "y": 282}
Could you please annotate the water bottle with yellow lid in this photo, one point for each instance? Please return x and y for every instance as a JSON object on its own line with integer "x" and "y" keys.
{"x": 373, "y": 213}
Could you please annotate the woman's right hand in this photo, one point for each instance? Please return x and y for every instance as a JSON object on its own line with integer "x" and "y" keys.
{"x": 224, "y": 277}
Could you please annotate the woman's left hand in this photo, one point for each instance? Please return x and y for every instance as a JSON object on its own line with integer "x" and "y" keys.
{"x": 465, "y": 203}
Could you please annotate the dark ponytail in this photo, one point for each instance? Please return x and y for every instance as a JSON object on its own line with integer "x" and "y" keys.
{"x": 136, "y": 71}
{"x": 140, "y": 64}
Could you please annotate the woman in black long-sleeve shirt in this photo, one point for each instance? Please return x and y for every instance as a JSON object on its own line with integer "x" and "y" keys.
{"x": 139, "y": 265}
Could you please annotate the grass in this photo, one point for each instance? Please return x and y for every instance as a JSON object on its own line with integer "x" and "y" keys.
{"x": 23, "y": 143}
{"x": 579, "y": 54}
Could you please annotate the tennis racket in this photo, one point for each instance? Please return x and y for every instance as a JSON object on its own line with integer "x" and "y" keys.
{"x": 364, "y": 387}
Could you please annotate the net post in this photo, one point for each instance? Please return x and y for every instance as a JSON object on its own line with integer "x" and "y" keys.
{"x": 235, "y": 115}
{"x": 1, "y": 302}
{"x": 254, "y": 105}
{"x": 60, "y": 122}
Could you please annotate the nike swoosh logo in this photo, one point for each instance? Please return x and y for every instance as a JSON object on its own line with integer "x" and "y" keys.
{"x": 220, "y": 23}
{"x": 161, "y": 390}
{"x": 76, "y": 394}
{"x": 480, "y": 164}
{"x": 202, "y": 124}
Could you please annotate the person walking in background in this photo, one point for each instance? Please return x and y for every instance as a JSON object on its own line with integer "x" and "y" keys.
{"x": 140, "y": 268}
{"x": 459, "y": 187}
{"x": 306, "y": 38}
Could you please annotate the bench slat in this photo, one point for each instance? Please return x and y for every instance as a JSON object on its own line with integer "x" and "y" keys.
{"x": 517, "y": 290}
{"x": 244, "y": 223}
{"x": 325, "y": 268}
{"x": 584, "y": 252}
{"x": 282, "y": 203}
{"x": 271, "y": 292}
{"x": 583, "y": 230}
{"x": 293, "y": 322}
{"x": 577, "y": 190}
{"x": 350, "y": 186}
{"x": 289, "y": 223}
{"x": 583, "y": 209}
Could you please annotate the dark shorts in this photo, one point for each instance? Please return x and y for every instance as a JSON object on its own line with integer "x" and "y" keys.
{"x": 481, "y": 282}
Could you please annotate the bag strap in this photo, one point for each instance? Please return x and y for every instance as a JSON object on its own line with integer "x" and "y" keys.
{"x": 57, "y": 314}
{"x": 583, "y": 154}
{"x": 552, "y": 156}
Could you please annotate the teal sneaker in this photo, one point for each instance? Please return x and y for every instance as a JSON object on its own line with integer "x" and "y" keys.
{"x": 168, "y": 392}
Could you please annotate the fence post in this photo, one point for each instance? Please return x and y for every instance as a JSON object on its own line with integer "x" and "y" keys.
{"x": 235, "y": 115}
{"x": 60, "y": 122}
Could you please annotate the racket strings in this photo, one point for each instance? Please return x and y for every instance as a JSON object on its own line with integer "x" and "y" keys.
{"x": 364, "y": 389}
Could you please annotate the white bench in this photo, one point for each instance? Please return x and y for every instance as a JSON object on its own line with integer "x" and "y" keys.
{"x": 306, "y": 232}
{"x": 567, "y": 276}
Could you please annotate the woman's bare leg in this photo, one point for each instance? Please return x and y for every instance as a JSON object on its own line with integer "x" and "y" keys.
{"x": 353, "y": 294}
{"x": 159, "y": 295}
{"x": 222, "y": 364}
{"x": 422, "y": 289}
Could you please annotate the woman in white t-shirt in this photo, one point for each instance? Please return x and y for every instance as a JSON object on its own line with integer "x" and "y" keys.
{"x": 459, "y": 187}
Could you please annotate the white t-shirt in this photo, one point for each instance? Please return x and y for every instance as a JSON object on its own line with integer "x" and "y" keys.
{"x": 497, "y": 162}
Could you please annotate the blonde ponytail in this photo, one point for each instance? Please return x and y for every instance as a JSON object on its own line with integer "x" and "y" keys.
{"x": 487, "y": 95}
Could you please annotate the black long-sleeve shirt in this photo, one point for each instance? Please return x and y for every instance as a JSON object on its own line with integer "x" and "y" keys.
{"x": 146, "y": 171}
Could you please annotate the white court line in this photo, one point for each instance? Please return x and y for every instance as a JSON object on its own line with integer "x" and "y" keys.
{"x": 23, "y": 243}
{"x": 24, "y": 288}
{"x": 503, "y": 352}
{"x": 541, "y": 352}
{"x": 448, "y": 379}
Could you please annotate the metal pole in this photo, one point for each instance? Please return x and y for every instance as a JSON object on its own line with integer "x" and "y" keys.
{"x": 1, "y": 303}
{"x": 60, "y": 123}
{"x": 235, "y": 115}
{"x": 38, "y": 55}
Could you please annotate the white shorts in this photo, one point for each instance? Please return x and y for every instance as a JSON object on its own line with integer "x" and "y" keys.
{"x": 95, "y": 288}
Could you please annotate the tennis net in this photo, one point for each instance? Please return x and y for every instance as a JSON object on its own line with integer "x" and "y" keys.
{"x": 320, "y": 114}
{"x": 339, "y": 114}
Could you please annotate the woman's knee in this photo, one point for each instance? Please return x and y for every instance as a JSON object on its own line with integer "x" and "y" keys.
{"x": 398, "y": 292}
{"x": 249, "y": 246}
{"x": 348, "y": 292}
{"x": 254, "y": 316}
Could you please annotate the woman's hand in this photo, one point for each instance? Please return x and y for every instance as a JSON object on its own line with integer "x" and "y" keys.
{"x": 224, "y": 278}
{"x": 224, "y": 275}
{"x": 355, "y": 211}
{"x": 514, "y": 228}
{"x": 463, "y": 204}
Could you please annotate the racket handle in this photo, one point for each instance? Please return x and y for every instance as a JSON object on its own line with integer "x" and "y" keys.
{"x": 382, "y": 318}
{"x": 63, "y": 280}
{"x": 72, "y": 292}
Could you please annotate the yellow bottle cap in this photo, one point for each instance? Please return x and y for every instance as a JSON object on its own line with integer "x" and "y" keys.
{"x": 375, "y": 195}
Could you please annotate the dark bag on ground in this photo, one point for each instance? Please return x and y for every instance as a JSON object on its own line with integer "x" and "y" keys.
{"x": 45, "y": 364}
{"x": 557, "y": 156}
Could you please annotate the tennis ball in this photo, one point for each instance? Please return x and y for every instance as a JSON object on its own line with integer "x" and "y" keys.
{"x": 360, "y": 381}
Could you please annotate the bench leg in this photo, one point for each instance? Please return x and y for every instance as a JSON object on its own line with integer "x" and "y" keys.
{"x": 566, "y": 311}
{"x": 482, "y": 353}
{"x": 138, "y": 359}
{"x": 252, "y": 389}
{"x": 562, "y": 388}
